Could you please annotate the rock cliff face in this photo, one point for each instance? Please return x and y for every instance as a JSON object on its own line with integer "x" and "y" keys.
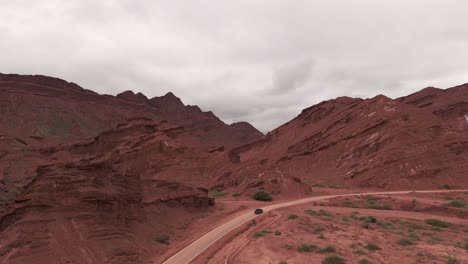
{"x": 103, "y": 200}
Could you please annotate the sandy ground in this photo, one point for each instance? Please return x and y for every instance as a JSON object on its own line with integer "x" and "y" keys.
{"x": 348, "y": 226}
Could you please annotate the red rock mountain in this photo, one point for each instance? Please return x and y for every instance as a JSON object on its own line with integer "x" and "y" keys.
{"x": 49, "y": 108}
{"x": 419, "y": 141}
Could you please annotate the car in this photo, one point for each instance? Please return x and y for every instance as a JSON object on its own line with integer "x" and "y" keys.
{"x": 258, "y": 211}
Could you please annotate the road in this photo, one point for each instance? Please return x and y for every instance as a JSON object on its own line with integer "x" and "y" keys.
{"x": 190, "y": 252}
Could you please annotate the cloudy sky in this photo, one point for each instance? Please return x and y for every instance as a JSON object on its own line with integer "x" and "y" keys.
{"x": 260, "y": 61}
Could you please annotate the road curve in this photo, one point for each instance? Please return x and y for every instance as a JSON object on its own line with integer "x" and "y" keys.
{"x": 197, "y": 247}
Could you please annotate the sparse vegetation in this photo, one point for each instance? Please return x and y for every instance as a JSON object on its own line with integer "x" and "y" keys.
{"x": 293, "y": 216}
{"x": 371, "y": 198}
{"x": 373, "y": 247}
{"x": 306, "y": 247}
{"x": 335, "y": 259}
{"x": 457, "y": 204}
{"x": 262, "y": 195}
{"x": 328, "y": 249}
{"x": 236, "y": 194}
{"x": 379, "y": 207}
{"x": 261, "y": 233}
{"x": 318, "y": 229}
{"x": 164, "y": 239}
{"x": 350, "y": 204}
{"x": 365, "y": 261}
{"x": 445, "y": 186}
{"x": 414, "y": 236}
{"x": 359, "y": 252}
{"x": 321, "y": 236}
{"x": 277, "y": 233}
{"x": 437, "y": 223}
{"x": 216, "y": 193}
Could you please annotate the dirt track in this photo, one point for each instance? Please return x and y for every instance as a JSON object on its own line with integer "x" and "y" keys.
{"x": 187, "y": 254}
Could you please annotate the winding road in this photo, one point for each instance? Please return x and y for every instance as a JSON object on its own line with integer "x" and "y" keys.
{"x": 190, "y": 252}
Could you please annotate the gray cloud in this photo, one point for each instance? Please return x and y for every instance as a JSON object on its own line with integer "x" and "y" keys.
{"x": 245, "y": 60}
{"x": 291, "y": 76}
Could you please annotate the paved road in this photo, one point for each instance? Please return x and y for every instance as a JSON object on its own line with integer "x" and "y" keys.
{"x": 197, "y": 247}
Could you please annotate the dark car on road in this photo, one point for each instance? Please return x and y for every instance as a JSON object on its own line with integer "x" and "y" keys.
{"x": 258, "y": 211}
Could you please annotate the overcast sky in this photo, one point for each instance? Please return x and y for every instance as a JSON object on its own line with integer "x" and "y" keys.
{"x": 260, "y": 61}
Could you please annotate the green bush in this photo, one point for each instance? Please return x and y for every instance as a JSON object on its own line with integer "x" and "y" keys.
{"x": 335, "y": 259}
{"x": 318, "y": 229}
{"x": 306, "y": 247}
{"x": 360, "y": 252}
{"x": 310, "y": 212}
{"x": 293, "y": 216}
{"x": 437, "y": 223}
{"x": 216, "y": 193}
{"x": 328, "y": 249}
{"x": 164, "y": 239}
{"x": 261, "y": 233}
{"x": 379, "y": 207}
{"x": 236, "y": 195}
{"x": 457, "y": 203}
{"x": 262, "y": 196}
{"x": 373, "y": 247}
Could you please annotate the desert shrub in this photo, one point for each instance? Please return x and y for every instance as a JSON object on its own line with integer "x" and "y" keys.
{"x": 318, "y": 229}
{"x": 372, "y": 247}
{"x": 370, "y": 219}
{"x": 328, "y": 249}
{"x": 371, "y": 198}
{"x": 384, "y": 224}
{"x": 437, "y": 223}
{"x": 335, "y": 259}
{"x": 283, "y": 262}
{"x": 350, "y": 204}
{"x": 405, "y": 242}
{"x": 277, "y": 233}
{"x": 321, "y": 236}
{"x": 448, "y": 197}
{"x": 415, "y": 226}
{"x": 216, "y": 193}
{"x": 414, "y": 237}
{"x": 236, "y": 195}
{"x": 293, "y": 216}
{"x": 310, "y": 212}
{"x": 164, "y": 239}
{"x": 306, "y": 247}
{"x": 324, "y": 213}
{"x": 359, "y": 252}
{"x": 364, "y": 261}
{"x": 261, "y": 233}
{"x": 445, "y": 186}
{"x": 457, "y": 203}
{"x": 262, "y": 196}
{"x": 379, "y": 207}
{"x": 366, "y": 226}
{"x": 452, "y": 260}
{"x": 434, "y": 239}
